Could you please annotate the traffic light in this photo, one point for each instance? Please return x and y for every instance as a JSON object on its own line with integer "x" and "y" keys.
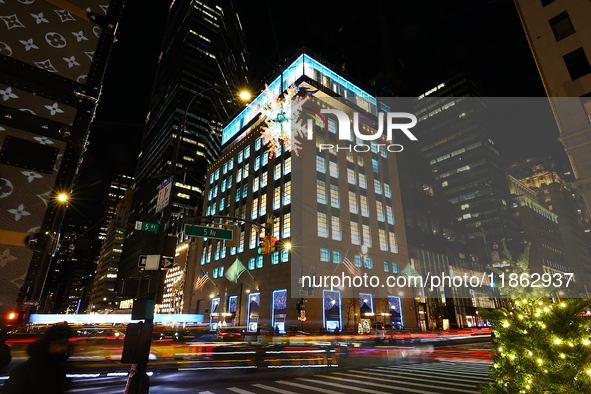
{"x": 267, "y": 244}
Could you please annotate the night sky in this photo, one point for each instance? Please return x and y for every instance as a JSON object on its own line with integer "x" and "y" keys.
{"x": 433, "y": 39}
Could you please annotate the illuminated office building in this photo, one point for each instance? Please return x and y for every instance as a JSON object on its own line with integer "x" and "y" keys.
{"x": 324, "y": 203}
{"x": 202, "y": 47}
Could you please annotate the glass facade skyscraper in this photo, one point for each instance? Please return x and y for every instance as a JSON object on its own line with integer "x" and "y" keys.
{"x": 203, "y": 47}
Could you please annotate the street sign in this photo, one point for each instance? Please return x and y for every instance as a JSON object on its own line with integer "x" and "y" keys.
{"x": 164, "y": 195}
{"x": 145, "y": 226}
{"x": 209, "y": 232}
{"x": 142, "y": 261}
{"x": 31, "y": 303}
{"x": 166, "y": 262}
{"x": 152, "y": 262}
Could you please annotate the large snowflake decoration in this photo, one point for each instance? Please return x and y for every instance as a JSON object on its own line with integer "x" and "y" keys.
{"x": 280, "y": 115}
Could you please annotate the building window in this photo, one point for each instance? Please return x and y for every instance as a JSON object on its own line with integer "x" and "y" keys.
{"x": 284, "y": 256}
{"x": 241, "y": 244}
{"x": 355, "y": 240}
{"x": 264, "y": 180}
{"x": 251, "y": 263}
{"x": 278, "y": 171}
{"x": 247, "y": 152}
{"x": 334, "y": 169}
{"x": 390, "y": 215}
{"x": 386, "y": 266}
{"x": 562, "y": 26}
{"x": 287, "y": 166}
{"x": 265, "y": 160}
{"x": 255, "y": 185}
{"x": 322, "y": 225}
{"x": 239, "y": 175}
{"x": 336, "y": 257}
{"x": 260, "y": 262}
{"x": 287, "y": 225}
{"x": 320, "y": 192}
{"x": 332, "y": 126}
{"x": 287, "y": 194}
{"x": 577, "y": 64}
{"x": 277, "y": 198}
{"x": 253, "y": 239}
{"x": 334, "y": 197}
{"x": 377, "y": 186}
{"x": 263, "y": 210}
{"x": 353, "y": 203}
{"x": 245, "y": 190}
{"x": 380, "y": 211}
{"x": 387, "y": 191}
{"x": 395, "y": 268}
{"x": 362, "y": 182}
{"x": 240, "y": 157}
{"x": 337, "y": 235}
{"x": 257, "y": 163}
{"x": 274, "y": 258}
{"x": 368, "y": 263}
{"x": 257, "y": 144}
{"x": 364, "y": 207}
{"x": 366, "y": 235}
{"x": 375, "y": 165}
{"x": 351, "y": 176}
{"x": 358, "y": 261}
{"x": 383, "y": 240}
{"x": 393, "y": 244}
{"x": 324, "y": 255}
{"x": 255, "y": 209}
{"x": 320, "y": 164}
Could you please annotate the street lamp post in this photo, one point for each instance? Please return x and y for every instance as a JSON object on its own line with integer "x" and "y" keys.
{"x": 139, "y": 382}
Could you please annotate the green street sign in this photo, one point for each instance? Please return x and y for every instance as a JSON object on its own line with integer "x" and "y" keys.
{"x": 145, "y": 226}
{"x": 209, "y": 232}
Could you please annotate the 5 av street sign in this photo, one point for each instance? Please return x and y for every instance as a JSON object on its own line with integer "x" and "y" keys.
{"x": 209, "y": 232}
{"x": 145, "y": 226}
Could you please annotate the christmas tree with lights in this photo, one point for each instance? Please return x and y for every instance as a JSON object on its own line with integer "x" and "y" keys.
{"x": 541, "y": 345}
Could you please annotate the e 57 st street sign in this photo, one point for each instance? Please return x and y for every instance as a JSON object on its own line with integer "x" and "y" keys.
{"x": 209, "y": 232}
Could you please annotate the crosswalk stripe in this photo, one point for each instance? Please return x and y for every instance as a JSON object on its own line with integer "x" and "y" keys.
{"x": 456, "y": 370}
{"x": 321, "y": 390}
{"x": 402, "y": 382}
{"x": 206, "y": 392}
{"x": 439, "y": 370}
{"x": 365, "y": 383}
{"x": 357, "y": 389}
{"x": 274, "y": 389}
{"x": 421, "y": 380}
{"x": 239, "y": 391}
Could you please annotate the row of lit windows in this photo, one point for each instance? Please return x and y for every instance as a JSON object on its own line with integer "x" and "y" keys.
{"x": 387, "y": 240}
{"x": 456, "y": 152}
{"x": 276, "y": 258}
{"x": 217, "y": 251}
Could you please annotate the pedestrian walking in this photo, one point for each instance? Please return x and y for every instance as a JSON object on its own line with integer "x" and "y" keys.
{"x": 44, "y": 372}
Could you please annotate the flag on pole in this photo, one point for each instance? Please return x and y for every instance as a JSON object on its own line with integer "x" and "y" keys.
{"x": 201, "y": 281}
{"x": 234, "y": 271}
{"x": 350, "y": 265}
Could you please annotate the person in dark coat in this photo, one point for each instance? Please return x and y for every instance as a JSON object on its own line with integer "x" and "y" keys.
{"x": 44, "y": 372}
{"x": 5, "y": 356}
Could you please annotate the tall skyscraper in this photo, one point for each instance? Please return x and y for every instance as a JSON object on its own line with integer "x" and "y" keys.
{"x": 203, "y": 47}
{"x": 51, "y": 68}
{"x": 559, "y": 35}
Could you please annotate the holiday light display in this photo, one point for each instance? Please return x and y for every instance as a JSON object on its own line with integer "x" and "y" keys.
{"x": 541, "y": 345}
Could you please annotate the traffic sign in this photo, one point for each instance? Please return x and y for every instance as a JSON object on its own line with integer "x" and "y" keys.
{"x": 209, "y": 232}
{"x": 166, "y": 262}
{"x": 145, "y": 226}
{"x": 30, "y": 303}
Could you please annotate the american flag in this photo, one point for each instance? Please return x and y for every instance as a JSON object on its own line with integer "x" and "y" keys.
{"x": 350, "y": 265}
{"x": 201, "y": 281}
